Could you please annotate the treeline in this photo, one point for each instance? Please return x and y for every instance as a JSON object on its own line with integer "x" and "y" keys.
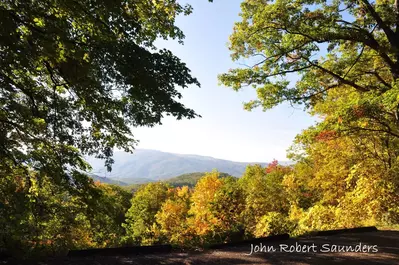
{"x": 189, "y": 180}
{"x": 330, "y": 188}
{"x": 40, "y": 217}
{"x": 218, "y": 209}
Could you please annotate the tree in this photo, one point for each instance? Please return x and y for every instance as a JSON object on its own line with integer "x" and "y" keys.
{"x": 106, "y": 212}
{"x": 227, "y": 207}
{"x": 336, "y": 48}
{"x": 202, "y": 220}
{"x": 349, "y": 174}
{"x": 36, "y": 216}
{"x": 75, "y": 75}
{"x": 263, "y": 192}
{"x": 172, "y": 217}
{"x": 346, "y": 57}
{"x": 140, "y": 221}
{"x": 273, "y": 223}
{"x": 40, "y": 217}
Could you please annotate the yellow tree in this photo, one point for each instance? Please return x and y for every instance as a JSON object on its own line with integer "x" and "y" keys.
{"x": 202, "y": 220}
{"x": 264, "y": 193}
{"x": 172, "y": 217}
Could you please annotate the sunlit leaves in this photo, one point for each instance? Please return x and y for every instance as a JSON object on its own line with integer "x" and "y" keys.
{"x": 344, "y": 56}
{"x": 141, "y": 216}
{"x": 273, "y": 223}
{"x": 172, "y": 217}
{"x": 88, "y": 73}
{"x": 277, "y": 38}
{"x": 40, "y": 217}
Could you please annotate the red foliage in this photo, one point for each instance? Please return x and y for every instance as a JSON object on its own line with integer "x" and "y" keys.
{"x": 326, "y": 136}
{"x": 272, "y": 166}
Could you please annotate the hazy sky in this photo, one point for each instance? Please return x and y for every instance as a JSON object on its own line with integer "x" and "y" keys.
{"x": 225, "y": 130}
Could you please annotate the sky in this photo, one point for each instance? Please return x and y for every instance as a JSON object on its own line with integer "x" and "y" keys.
{"x": 226, "y": 130}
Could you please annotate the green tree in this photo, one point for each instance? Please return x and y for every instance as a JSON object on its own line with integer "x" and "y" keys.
{"x": 264, "y": 192}
{"x": 227, "y": 207}
{"x": 75, "y": 76}
{"x": 140, "y": 224}
{"x": 346, "y": 57}
{"x": 40, "y": 217}
{"x": 335, "y": 47}
{"x": 344, "y": 179}
{"x": 273, "y": 223}
{"x": 106, "y": 214}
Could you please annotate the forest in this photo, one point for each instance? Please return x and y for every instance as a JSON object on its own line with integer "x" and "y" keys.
{"x": 76, "y": 78}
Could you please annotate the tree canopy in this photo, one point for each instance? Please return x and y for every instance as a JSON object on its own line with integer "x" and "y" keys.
{"x": 75, "y": 76}
{"x": 336, "y": 48}
{"x": 340, "y": 60}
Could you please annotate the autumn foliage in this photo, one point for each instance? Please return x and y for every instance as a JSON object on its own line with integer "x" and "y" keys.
{"x": 75, "y": 82}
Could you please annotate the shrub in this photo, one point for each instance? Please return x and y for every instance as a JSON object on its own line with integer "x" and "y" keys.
{"x": 273, "y": 223}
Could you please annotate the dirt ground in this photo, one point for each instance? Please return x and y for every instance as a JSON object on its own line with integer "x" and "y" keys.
{"x": 380, "y": 247}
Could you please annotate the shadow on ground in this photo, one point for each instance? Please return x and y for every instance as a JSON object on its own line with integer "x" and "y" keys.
{"x": 385, "y": 242}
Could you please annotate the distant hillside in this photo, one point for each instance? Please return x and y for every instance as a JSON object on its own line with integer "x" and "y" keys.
{"x": 107, "y": 180}
{"x": 125, "y": 182}
{"x": 157, "y": 165}
{"x": 130, "y": 181}
{"x": 188, "y": 179}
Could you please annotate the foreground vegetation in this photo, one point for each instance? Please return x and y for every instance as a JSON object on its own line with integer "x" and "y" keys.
{"x": 41, "y": 219}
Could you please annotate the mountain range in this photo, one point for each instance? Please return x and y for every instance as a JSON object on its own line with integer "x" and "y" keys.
{"x": 148, "y": 165}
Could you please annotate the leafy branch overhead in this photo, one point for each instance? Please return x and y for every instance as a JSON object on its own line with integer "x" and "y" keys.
{"x": 76, "y": 75}
{"x": 331, "y": 44}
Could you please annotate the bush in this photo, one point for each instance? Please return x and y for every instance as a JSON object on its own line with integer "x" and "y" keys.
{"x": 273, "y": 223}
{"x": 318, "y": 218}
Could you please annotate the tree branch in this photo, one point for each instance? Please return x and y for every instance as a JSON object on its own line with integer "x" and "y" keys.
{"x": 355, "y": 62}
{"x": 379, "y": 78}
{"x": 387, "y": 30}
{"x": 343, "y": 80}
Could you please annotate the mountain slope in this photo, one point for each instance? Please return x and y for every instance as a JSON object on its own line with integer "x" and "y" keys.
{"x": 157, "y": 165}
{"x": 107, "y": 180}
{"x": 189, "y": 179}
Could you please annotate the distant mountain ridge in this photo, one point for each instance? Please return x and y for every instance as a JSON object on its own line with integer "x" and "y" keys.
{"x": 107, "y": 180}
{"x": 149, "y": 165}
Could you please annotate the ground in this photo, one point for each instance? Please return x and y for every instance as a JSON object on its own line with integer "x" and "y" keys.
{"x": 385, "y": 245}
